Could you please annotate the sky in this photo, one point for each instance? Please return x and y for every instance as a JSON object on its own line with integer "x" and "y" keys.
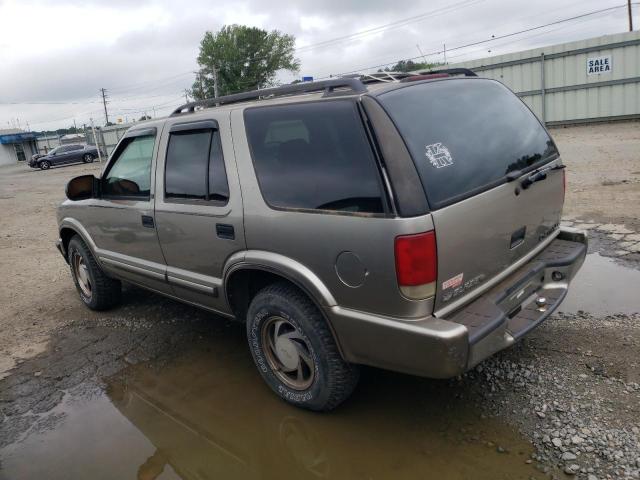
{"x": 55, "y": 56}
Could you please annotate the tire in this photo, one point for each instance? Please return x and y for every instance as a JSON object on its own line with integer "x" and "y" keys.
{"x": 103, "y": 292}
{"x": 44, "y": 165}
{"x": 87, "y": 158}
{"x": 322, "y": 380}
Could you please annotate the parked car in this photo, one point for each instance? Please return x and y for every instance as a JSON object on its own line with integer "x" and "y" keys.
{"x": 410, "y": 225}
{"x": 64, "y": 154}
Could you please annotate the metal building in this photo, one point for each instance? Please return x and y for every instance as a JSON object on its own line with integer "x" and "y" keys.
{"x": 16, "y": 146}
{"x": 597, "y": 79}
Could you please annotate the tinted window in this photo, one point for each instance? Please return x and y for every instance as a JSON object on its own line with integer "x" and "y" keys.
{"x": 75, "y": 147}
{"x": 314, "y": 156}
{"x": 130, "y": 174}
{"x": 195, "y": 166}
{"x": 465, "y": 135}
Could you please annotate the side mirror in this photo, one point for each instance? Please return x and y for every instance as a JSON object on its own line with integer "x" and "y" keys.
{"x": 82, "y": 187}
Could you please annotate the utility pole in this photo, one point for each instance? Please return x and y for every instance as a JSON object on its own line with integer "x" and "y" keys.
{"x": 186, "y": 95}
{"x": 444, "y": 50}
{"x": 630, "y": 15}
{"x": 199, "y": 76}
{"x": 215, "y": 82}
{"x": 104, "y": 102}
{"x": 75, "y": 127}
{"x": 95, "y": 139}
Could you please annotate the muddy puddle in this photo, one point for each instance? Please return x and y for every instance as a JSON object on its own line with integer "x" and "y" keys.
{"x": 208, "y": 415}
{"x": 603, "y": 287}
{"x": 205, "y": 413}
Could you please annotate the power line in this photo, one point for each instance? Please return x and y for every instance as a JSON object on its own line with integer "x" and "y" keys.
{"x": 388, "y": 26}
{"x": 493, "y": 38}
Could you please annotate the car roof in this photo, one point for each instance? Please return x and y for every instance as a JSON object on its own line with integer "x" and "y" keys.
{"x": 372, "y": 84}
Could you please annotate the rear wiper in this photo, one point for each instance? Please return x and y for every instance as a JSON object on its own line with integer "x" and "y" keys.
{"x": 538, "y": 175}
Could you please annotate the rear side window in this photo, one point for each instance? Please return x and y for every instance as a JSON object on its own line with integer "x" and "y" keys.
{"x": 466, "y": 135}
{"x": 195, "y": 167}
{"x": 314, "y": 156}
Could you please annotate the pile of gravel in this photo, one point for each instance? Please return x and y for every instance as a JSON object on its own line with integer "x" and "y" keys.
{"x": 582, "y": 421}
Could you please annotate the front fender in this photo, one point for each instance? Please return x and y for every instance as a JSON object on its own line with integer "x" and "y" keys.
{"x": 78, "y": 228}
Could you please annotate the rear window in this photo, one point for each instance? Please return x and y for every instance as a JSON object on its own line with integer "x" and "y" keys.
{"x": 314, "y": 156}
{"x": 466, "y": 135}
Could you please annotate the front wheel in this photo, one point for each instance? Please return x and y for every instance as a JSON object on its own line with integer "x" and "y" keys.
{"x": 295, "y": 352}
{"x": 87, "y": 158}
{"x": 44, "y": 165}
{"x": 97, "y": 290}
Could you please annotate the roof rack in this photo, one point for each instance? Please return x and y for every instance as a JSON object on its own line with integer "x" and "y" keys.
{"x": 335, "y": 86}
{"x": 451, "y": 71}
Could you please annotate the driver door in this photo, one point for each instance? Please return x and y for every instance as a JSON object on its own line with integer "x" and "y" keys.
{"x": 123, "y": 224}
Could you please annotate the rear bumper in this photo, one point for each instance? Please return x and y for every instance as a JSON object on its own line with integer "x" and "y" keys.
{"x": 446, "y": 347}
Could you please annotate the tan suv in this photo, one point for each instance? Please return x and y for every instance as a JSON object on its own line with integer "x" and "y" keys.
{"x": 407, "y": 222}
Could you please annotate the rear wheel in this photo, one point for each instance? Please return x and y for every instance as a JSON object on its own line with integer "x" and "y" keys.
{"x": 294, "y": 350}
{"x": 96, "y": 289}
{"x": 87, "y": 158}
{"x": 44, "y": 165}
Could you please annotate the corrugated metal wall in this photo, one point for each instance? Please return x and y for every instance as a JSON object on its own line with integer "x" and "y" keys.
{"x": 568, "y": 93}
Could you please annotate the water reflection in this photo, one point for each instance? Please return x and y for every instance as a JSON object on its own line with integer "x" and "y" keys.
{"x": 209, "y": 416}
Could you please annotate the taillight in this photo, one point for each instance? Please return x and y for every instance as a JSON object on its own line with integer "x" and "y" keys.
{"x": 416, "y": 264}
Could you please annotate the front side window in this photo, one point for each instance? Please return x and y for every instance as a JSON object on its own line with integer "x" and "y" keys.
{"x": 130, "y": 174}
{"x": 195, "y": 167}
{"x": 314, "y": 156}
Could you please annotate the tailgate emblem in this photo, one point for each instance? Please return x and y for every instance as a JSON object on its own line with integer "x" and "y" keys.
{"x": 438, "y": 155}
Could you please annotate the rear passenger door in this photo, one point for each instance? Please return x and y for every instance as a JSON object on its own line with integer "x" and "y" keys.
{"x": 198, "y": 207}
{"x": 75, "y": 154}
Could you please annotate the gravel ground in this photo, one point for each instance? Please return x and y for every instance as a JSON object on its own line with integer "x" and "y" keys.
{"x": 571, "y": 387}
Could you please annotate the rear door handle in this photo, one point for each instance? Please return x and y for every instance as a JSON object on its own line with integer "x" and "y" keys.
{"x": 147, "y": 221}
{"x": 226, "y": 231}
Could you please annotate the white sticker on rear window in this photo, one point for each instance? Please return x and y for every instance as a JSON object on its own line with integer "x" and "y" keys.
{"x": 439, "y": 155}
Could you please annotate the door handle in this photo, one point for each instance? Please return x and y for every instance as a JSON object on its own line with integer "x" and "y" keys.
{"x": 147, "y": 221}
{"x": 225, "y": 231}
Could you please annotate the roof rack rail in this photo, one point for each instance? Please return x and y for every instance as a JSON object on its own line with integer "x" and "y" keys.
{"x": 328, "y": 86}
{"x": 451, "y": 71}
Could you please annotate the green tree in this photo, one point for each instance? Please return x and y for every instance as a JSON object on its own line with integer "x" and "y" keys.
{"x": 244, "y": 58}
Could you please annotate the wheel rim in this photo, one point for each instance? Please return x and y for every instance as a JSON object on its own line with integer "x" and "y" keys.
{"x": 45, "y": 165}
{"x": 81, "y": 273}
{"x": 288, "y": 353}
{"x": 88, "y": 158}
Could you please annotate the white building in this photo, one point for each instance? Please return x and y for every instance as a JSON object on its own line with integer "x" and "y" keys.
{"x": 16, "y": 146}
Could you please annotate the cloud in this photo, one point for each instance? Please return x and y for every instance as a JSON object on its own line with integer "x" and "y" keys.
{"x": 65, "y": 51}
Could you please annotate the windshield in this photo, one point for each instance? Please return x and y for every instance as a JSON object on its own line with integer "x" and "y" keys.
{"x": 465, "y": 135}
{"x": 53, "y": 151}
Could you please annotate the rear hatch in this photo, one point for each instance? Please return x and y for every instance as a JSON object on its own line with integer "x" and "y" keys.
{"x": 474, "y": 143}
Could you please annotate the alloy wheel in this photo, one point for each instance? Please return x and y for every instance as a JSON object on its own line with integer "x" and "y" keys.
{"x": 288, "y": 353}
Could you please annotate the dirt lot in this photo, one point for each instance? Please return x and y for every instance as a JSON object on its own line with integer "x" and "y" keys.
{"x": 179, "y": 397}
